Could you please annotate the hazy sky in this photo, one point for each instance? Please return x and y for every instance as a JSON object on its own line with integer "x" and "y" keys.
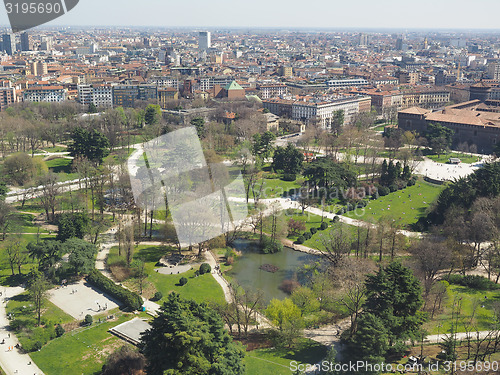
{"x": 463, "y": 14}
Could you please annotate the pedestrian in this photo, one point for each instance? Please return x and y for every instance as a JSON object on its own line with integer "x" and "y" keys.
{"x": 9, "y": 335}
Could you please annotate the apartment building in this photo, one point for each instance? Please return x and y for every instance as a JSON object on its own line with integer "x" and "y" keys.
{"x": 346, "y": 83}
{"x": 53, "y": 94}
{"x": 321, "y": 111}
{"x": 99, "y": 95}
{"x": 7, "y": 97}
{"x": 272, "y": 90}
{"x": 127, "y": 95}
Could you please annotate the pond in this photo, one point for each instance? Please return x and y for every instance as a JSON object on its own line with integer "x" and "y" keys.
{"x": 246, "y": 270}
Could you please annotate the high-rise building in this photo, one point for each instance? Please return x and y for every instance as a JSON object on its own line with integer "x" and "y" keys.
{"x": 39, "y": 68}
{"x": 364, "y": 39}
{"x": 9, "y": 43}
{"x": 494, "y": 70}
{"x": 47, "y": 43}
{"x": 204, "y": 41}
{"x": 25, "y": 42}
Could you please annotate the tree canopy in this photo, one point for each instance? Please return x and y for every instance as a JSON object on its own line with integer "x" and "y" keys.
{"x": 288, "y": 160}
{"x": 189, "y": 338}
{"x": 90, "y": 144}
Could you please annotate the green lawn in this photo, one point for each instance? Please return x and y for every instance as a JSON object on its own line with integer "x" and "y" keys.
{"x": 406, "y": 206}
{"x": 63, "y": 168}
{"x": 465, "y": 158}
{"x": 82, "y": 351}
{"x": 201, "y": 289}
{"x": 277, "y": 361}
{"x": 484, "y": 315}
{"x": 276, "y": 188}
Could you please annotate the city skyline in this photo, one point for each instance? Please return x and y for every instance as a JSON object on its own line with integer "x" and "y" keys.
{"x": 319, "y": 14}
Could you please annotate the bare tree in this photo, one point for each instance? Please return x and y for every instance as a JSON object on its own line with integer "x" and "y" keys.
{"x": 336, "y": 244}
{"x": 48, "y": 194}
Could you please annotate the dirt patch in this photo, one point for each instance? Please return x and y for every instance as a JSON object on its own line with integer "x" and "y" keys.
{"x": 120, "y": 273}
{"x": 254, "y": 341}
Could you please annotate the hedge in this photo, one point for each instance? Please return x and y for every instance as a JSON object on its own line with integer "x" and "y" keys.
{"x": 131, "y": 300}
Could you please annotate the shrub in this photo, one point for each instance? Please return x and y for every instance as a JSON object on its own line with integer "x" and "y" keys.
{"x": 130, "y": 299}
{"x": 323, "y": 225}
{"x": 88, "y": 319}
{"x": 37, "y": 345}
{"x": 307, "y": 235}
{"x": 59, "y": 330}
{"x": 229, "y": 260}
{"x": 313, "y": 231}
{"x": 205, "y": 268}
{"x": 183, "y": 281}
{"x": 412, "y": 181}
{"x": 300, "y": 240}
{"x": 288, "y": 286}
{"x": 336, "y": 219}
{"x": 341, "y": 211}
{"x": 472, "y": 281}
{"x": 158, "y": 296}
{"x": 383, "y": 191}
{"x": 289, "y": 177}
{"x": 269, "y": 246}
{"x": 393, "y": 188}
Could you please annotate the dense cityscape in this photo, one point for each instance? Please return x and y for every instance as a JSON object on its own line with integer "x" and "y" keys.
{"x": 255, "y": 201}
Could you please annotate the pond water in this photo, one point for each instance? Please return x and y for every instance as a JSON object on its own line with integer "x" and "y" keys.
{"x": 247, "y": 273}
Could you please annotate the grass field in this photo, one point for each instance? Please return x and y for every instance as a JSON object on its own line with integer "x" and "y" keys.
{"x": 470, "y": 299}
{"x": 445, "y": 157}
{"x": 406, "y": 206}
{"x": 201, "y": 289}
{"x": 62, "y": 167}
{"x": 277, "y": 361}
{"x": 82, "y": 351}
{"x": 276, "y": 188}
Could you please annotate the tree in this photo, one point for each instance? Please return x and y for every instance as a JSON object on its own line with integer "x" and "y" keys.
{"x": 140, "y": 273}
{"x": 48, "y": 195}
{"x": 72, "y": 225}
{"x": 288, "y": 159}
{"x": 81, "y": 255}
{"x": 370, "y": 343}
{"x": 124, "y": 361}
{"x": 439, "y": 137}
{"x": 19, "y": 168}
{"x": 325, "y": 174}
{"x": 37, "y": 290}
{"x": 337, "y": 122}
{"x": 287, "y": 317}
{"x": 305, "y": 299}
{"x": 90, "y": 144}
{"x": 199, "y": 124}
{"x": 429, "y": 257}
{"x": 189, "y": 338}
{"x": 394, "y": 295}
{"x": 128, "y": 237}
{"x": 47, "y": 253}
{"x": 263, "y": 144}
{"x": 6, "y": 218}
{"x": 336, "y": 244}
{"x": 152, "y": 114}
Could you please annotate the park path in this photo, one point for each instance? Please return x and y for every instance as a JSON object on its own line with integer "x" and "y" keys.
{"x": 13, "y": 362}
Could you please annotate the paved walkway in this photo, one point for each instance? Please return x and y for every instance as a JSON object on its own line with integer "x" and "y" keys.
{"x": 13, "y": 362}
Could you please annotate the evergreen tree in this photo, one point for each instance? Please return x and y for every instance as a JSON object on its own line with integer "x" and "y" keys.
{"x": 189, "y": 338}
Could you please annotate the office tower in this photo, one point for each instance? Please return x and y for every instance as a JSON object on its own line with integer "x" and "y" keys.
{"x": 204, "y": 42}
{"x": 25, "y": 42}
{"x": 9, "y": 43}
